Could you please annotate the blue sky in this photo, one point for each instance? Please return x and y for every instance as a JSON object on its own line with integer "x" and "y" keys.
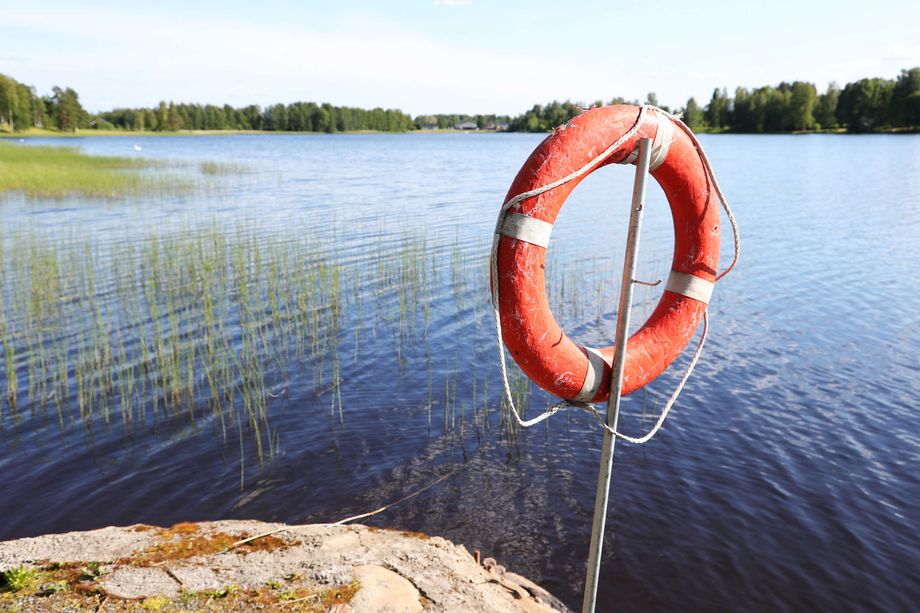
{"x": 442, "y": 56}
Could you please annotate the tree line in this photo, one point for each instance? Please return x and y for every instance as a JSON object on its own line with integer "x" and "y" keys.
{"x": 22, "y": 108}
{"x": 866, "y": 105}
{"x": 296, "y": 117}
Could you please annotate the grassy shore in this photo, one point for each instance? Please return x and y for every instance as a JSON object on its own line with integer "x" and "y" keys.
{"x": 48, "y": 133}
{"x": 57, "y": 172}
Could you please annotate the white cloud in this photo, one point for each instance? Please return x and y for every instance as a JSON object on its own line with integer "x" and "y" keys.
{"x": 903, "y": 52}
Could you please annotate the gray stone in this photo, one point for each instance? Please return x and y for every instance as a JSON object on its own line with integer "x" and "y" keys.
{"x": 396, "y": 571}
{"x": 383, "y": 591}
{"x": 131, "y": 582}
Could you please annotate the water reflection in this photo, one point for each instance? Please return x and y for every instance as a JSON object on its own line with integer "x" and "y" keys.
{"x": 783, "y": 478}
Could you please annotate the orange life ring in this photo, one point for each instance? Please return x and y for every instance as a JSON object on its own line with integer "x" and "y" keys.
{"x": 538, "y": 344}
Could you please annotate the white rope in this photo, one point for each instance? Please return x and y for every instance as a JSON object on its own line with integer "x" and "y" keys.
{"x": 671, "y": 400}
{"x": 715, "y": 184}
{"x": 545, "y": 188}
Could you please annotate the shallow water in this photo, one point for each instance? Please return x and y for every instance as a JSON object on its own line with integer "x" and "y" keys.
{"x": 786, "y": 477}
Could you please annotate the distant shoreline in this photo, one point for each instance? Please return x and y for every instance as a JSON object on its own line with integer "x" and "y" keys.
{"x": 47, "y": 133}
{"x": 871, "y": 105}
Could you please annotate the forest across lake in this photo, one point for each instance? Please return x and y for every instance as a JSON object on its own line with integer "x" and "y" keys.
{"x": 866, "y": 105}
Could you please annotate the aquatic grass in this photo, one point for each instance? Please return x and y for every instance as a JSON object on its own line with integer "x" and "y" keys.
{"x": 206, "y": 323}
{"x": 221, "y": 168}
{"x": 57, "y": 172}
{"x": 206, "y": 316}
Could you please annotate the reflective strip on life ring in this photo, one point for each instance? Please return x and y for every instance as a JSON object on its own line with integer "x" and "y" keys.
{"x": 535, "y": 340}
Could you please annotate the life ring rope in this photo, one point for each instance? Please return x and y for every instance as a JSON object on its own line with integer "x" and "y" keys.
{"x": 524, "y": 228}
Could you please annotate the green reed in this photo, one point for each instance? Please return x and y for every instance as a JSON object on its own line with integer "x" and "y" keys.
{"x": 205, "y": 322}
{"x": 57, "y": 172}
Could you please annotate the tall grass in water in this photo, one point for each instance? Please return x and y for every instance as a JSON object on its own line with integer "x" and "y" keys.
{"x": 194, "y": 323}
{"x": 221, "y": 168}
{"x": 56, "y": 172}
{"x": 211, "y": 324}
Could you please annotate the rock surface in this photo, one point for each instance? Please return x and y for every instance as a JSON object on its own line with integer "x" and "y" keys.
{"x": 375, "y": 570}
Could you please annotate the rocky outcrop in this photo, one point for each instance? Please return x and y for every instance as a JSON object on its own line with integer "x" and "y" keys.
{"x": 322, "y": 567}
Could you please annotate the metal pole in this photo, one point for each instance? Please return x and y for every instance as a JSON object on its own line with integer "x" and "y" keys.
{"x": 616, "y": 375}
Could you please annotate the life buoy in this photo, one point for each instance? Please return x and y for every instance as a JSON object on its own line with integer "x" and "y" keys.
{"x": 537, "y": 343}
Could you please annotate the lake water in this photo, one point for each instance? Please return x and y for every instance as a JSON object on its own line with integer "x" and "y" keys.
{"x": 787, "y": 477}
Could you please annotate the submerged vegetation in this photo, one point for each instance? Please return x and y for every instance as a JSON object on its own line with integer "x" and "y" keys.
{"x": 57, "y": 172}
{"x": 198, "y": 323}
{"x": 221, "y": 168}
{"x": 211, "y": 323}
{"x": 214, "y": 324}
{"x": 166, "y": 325}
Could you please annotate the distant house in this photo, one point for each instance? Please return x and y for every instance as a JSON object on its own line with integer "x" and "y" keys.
{"x": 466, "y": 125}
